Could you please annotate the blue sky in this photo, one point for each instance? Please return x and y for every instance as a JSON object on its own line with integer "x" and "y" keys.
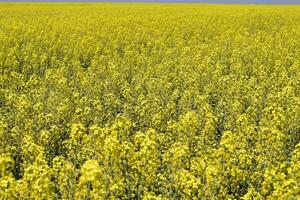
{"x": 204, "y": 1}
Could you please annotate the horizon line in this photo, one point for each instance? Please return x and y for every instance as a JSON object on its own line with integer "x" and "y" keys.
{"x": 150, "y": 1}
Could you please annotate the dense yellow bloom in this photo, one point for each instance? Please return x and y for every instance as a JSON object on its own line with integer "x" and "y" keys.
{"x": 149, "y": 101}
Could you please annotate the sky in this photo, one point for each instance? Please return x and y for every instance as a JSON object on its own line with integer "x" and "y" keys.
{"x": 201, "y": 1}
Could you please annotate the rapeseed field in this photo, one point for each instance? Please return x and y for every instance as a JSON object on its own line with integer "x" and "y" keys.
{"x": 149, "y": 101}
